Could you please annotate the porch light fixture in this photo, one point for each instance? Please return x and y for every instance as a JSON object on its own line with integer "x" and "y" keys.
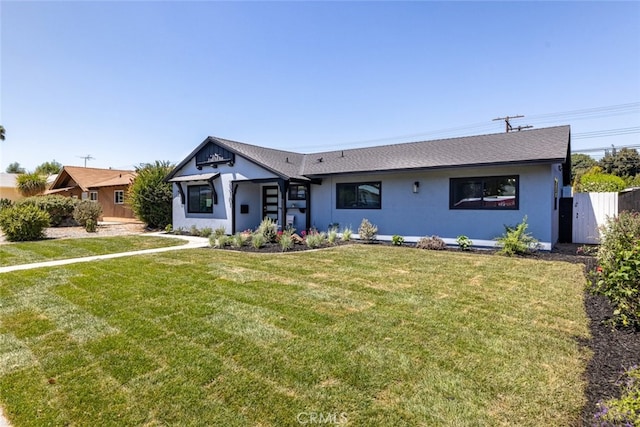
{"x": 416, "y": 185}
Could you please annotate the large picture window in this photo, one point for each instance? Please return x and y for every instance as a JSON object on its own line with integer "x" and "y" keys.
{"x": 360, "y": 195}
{"x": 494, "y": 192}
{"x": 200, "y": 199}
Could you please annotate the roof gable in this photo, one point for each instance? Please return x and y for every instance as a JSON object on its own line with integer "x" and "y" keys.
{"x": 87, "y": 178}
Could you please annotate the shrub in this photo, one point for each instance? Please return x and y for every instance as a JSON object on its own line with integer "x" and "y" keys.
{"x": 168, "y": 228}
{"x": 332, "y": 235}
{"x": 464, "y": 243}
{"x": 220, "y": 231}
{"x": 206, "y": 232}
{"x": 87, "y": 213}
{"x": 433, "y": 243}
{"x": 397, "y": 240}
{"x": 600, "y": 182}
{"x": 346, "y": 234}
{"x": 218, "y": 241}
{"x": 24, "y": 222}
{"x": 516, "y": 240}
{"x": 285, "y": 240}
{"x": 59, "y": 208}
{"x": 238, "y": 240}
{"x": 315, "y": 239}
{"x": 149, "y": 196}
{"x": 367, "y": 231}
{"x": 269, "y": 229}
{"x": 258, "y": 240}
{"x": 618, "y": 274}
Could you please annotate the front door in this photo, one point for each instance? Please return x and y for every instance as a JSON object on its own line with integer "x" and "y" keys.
{"x": 270, "y": 202}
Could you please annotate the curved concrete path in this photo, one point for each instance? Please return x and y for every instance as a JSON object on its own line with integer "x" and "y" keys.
{"x": 192, "y": 243}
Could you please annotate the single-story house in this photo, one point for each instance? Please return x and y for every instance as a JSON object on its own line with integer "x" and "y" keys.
{"x": 8, "y": 188}
{"x": 471, "y": 186}
{"x": 104, "y": 186}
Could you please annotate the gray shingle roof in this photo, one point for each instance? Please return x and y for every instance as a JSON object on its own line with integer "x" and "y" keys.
{"x": 546, "y": 145}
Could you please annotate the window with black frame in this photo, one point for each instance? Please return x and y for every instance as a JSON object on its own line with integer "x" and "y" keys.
{"x": 297, "y": 192}
{"x": 359, "y": 195}
{"x": 200, "y": 199}
{"x": 492, "y": 192}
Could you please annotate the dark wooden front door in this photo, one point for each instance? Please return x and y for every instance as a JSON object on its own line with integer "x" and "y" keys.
{"x": 270, "y": 202}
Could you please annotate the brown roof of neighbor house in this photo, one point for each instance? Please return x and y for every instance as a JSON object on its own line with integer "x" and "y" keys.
{"x": 546, "y": 145}
{"x": 88, "y": 178}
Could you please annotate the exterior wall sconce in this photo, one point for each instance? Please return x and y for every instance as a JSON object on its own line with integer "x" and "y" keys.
{"x": 416, "y": 186}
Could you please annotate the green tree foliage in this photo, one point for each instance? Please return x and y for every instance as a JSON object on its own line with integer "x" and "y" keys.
{"x": 49, "y": 168}
{"x": 150, "y": 196}
{"x": 580, "y": 164}
{"x": 15, "y": 168}
{"x": 24, "y": 222}
{"x": 597, "y": 182}
{"x": 622, "y": 163}
{"x": 31, "y": 184}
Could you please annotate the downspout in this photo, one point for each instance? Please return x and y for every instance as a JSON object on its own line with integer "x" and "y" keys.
{"x": 233, "y": 209}
{"x": 308, "y": 204}
{"x": 283, "y": 195}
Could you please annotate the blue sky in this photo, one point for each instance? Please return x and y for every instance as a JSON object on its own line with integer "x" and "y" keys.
{"x": 135, "y": 82}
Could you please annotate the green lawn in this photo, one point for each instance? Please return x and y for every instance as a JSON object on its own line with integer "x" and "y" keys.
{"x": 47, "y": 250}
{"x": 362, "y": 335}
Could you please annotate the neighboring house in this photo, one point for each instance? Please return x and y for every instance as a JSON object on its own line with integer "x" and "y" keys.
{"x": 105, "y": 186}
{"x": 8, "y": 188}
{"x": 471, "y": 186}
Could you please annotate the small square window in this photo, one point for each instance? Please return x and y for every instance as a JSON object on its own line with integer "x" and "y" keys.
{"x": 93, "y": 196}
{"x": 200, "y": 199}
{"x": 297, "y": 192}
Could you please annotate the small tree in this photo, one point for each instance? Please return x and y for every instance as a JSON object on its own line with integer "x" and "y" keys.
{"x": 580, "y": 164}
{"x": 596, "y": 182}
{"x": 150, "y": 196}
{"x": 15, "y": 168}
{"x": 49, "y": 168}
{"x": 31, "y": 184}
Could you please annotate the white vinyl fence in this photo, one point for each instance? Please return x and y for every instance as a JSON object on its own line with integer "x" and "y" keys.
{"x": 590, "y": 211}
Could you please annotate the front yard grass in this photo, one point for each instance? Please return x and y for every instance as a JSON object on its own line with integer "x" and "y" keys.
{"x": 364, "y": 335}
{"x": 48, "y": 250}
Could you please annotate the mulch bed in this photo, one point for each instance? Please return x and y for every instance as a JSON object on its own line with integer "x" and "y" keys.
{"x": 614, "y": 350}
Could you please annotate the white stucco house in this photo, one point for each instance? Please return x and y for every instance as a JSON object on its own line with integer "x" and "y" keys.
{"x": 469, "y": 186}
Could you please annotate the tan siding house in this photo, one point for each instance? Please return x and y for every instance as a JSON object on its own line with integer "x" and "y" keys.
{"x": 105, "y": 186}
{"x": 8, "y": 189}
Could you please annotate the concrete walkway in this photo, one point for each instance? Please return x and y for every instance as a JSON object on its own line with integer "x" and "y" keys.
{"x": 192, "y": 243}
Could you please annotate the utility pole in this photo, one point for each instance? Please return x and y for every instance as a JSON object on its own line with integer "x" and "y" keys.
{"x": 508, "y": 127}
{"x": 87, "y": 157}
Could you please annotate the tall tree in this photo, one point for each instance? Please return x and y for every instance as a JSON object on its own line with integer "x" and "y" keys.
{"x": 150, "y": 196}
{"x": 580, "y": 164}
{"x": 15, "y": 168}
{"x": 49, "y": 168}
{"x": 623, "y": 163}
